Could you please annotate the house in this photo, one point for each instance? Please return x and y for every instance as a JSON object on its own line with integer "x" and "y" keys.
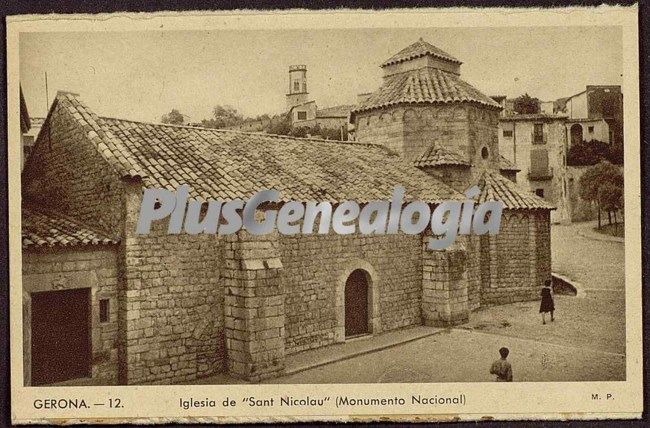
{"x": 594, "y": 114}
{"x": 168, "y": 308}
{"x": 537, "y": 145}
{"x": 303, "y": 112}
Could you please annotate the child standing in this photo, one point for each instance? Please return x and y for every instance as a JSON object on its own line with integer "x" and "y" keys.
{"x": 501, "y": 367}
{"x": 547, "y": 304}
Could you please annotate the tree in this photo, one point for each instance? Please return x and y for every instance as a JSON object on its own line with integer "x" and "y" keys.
{"x": 591, "y": 152}
{"x": 594, "y": 178}
{"x": 174, "y": 117}
{"x": 610, "y": 199}
{"x": 525, "y": 104}
{"x": 223, "y": 117}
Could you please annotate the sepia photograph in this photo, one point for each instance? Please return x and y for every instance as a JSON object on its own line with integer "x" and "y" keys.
{"x": 358, "y": 205}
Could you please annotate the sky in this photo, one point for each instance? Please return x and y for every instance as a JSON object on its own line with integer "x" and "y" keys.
{"x": 143, "y": 75}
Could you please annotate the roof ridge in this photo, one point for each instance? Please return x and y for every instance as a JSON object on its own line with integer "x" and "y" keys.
{"x": 103, "y": 140}
{"x": 236, "y": 131}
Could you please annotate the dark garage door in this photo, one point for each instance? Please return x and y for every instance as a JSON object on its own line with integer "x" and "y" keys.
{"x": 61, "y": 343}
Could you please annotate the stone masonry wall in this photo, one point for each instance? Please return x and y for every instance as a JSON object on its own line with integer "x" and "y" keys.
{"x": 254, "y": 306}
{"x": 446, "y": 125}
{"x": 315, "y": 269}
{"x": 445, "y": 296}
{"x": 385, "y": 128}
{"x": 172, "y": 316}
{"x": 509, "y": 260}
{"x": 66, "y": 173}
{"x": 92, "y": 267}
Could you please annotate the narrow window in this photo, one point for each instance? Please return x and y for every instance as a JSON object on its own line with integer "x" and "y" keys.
{"x": 538, "y": 133}
{"x": 103, "y": 310}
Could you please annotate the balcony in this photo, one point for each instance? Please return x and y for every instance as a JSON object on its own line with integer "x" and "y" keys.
{"x": 540, "y": 174}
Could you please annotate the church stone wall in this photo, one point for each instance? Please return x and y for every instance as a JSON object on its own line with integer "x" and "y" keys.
{"x": 516, "y": 262}
{"x": 315, "y": 268}
{"x": 382, "y": 127}
{"x": 171, "y": 303}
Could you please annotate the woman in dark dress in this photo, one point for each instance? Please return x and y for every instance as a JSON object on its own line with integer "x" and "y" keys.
{"x": 547, "y": 304}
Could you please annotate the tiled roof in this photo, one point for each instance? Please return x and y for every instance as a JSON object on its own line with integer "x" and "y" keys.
{"x": 535, "y": 116}
{"x": 495, "y": 187}
{"x": 506, "y": 165}
{"x": 425, "y": 85}
{"x": 418, "y": 49}
{"x": 104, "y": 141}
{"x": 41, "y": 229}
{"x": 223, "y": 164}
{"x": 337, "y": 111}
{"x": 438, "y": 155}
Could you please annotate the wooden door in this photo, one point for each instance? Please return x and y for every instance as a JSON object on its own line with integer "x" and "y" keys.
{"x": 356, "y": 304}
{"x": 61, "y": 340}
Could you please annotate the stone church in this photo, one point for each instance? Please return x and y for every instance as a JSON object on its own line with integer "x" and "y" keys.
{"x": 104, "y": 304}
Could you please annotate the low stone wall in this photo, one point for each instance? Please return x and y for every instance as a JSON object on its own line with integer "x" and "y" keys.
{"x": 61, "y": 268}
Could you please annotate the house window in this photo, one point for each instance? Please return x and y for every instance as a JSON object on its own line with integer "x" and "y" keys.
{"x": 538, "y": 164}
{"x": 296, "y": 86}
{"x": 539, "y": 192}
{"x": 302, "y": 115}
{"x": 538, "y": 133}
{"x": 103, "y": 310}
{"x": 507, "y": 134}
{"x": 591, "y": 129}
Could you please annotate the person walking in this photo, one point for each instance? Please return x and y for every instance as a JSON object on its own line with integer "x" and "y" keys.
{"x": 501, "y": 367}
{"x": 547, "y": 304}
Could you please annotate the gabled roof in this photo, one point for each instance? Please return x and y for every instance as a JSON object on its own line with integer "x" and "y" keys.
{"x": 224, "y": 164}
{"x": 419, "y": 49}
{"x": 47, "y": 229}
{"x": 24, "y": 113}
{"x": 425, "y": 85}
{"x": 506, "y": 165}
{"x": 495, "y": 187}
{"x": 437, "y": 155}
{"x": 336, "y": 111}
{"x": 103, "y": 140}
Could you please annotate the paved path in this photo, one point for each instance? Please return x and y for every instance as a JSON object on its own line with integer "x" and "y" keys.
{"x": 594, "y": 264}
{"x": 465, "y": 356}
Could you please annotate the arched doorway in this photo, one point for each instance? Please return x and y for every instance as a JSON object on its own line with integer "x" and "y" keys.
{"x": 576, "y": 134}
{"x": 356, "y": 303}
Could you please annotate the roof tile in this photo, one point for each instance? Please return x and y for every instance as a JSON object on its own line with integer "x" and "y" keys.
{"x": 424, "y": 85}
{"x": 47, "y": 229}
{"x": 418, "y": 49}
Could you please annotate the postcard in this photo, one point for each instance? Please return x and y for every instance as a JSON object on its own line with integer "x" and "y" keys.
{"x": 343, "y": 215}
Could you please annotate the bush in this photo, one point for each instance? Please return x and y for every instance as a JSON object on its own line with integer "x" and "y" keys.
{"x": 589, "y": 153}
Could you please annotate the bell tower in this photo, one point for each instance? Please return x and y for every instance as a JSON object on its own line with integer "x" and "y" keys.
{"x": 297, "y": 85}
